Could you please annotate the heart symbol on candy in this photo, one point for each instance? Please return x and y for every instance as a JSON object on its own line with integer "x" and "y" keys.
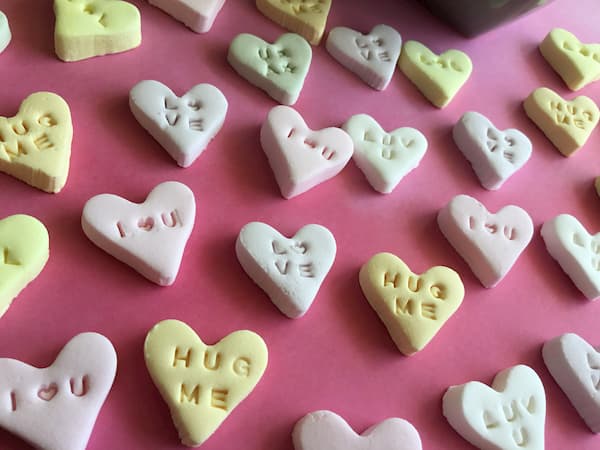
{"x": 412, "y": 307}
{"x": 182, "y": 125}
{"x": 56, "y": 407}
{"x": 198, "y": 15}
{"x": 202, "y": 384}
{"x": 300, "y": 157}
{"x": 151, "y": 236}
{"x": 325, "y": 429}
{"x": 509, "y": 416}
{"x": 384, "y": 158}
{"x": 5, "y": 34}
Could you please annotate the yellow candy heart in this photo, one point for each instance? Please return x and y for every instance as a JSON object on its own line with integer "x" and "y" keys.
{"x": 35, "y": 145}
{"x": 438, "y": 78}
{"x": 23, "y": 255}
{"x": 305, "y": 17}
{"x": 87, "y": 28}
{"x": 412, "y": 307}
{"x": 568, "y": 124}
{"x": 202, "y": 383}
{"x": 578, "y": 64}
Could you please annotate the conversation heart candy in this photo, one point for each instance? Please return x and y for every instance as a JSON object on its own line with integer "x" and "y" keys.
{"x": 150, "y": 236}
{"x": 489, "y": 243}
{"x": 88, "y": 28}
{"x": 494, "y": 154}
{"x": 568, "y": 124}
{"x": 385, "y": 158}
{"x": 24, "y": 252}
{"x": 56, "y": 407}
{"x": 577, "y": 64}
{"x": 290, "y": 271}
{"x": 508, "y": 416}
{"x": 202, "y": 384}
{"x": 5, "y": 35}
{"x": 279, "y": 69}
{"x": 438, "y": 77}
{"x": 372, "y": 57}
{"x": 412, "y": 307}
{"x": 300, "y": 157}
{"x": 305, "y": 17}
{"x": 326, "y": 430}
{"x": 182, "y": 125}
{"x": 576, "y": 251}
{"x": 198, "y": 15}
{"x": 35, "y": 145}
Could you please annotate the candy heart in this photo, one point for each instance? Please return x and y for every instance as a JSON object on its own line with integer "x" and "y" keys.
{"x": 326, "y": 430}
{"x": 384, "y": 158}
{"x": 290, "y": 271}
{"x": 300, "y": 157}
{"x": 151, "y": 236}
{"x": 412, "y": 307}
{"x": 279, "y": 68}
{"x": 202, "y": 384}
{"x": 568, "y": 124}
{"x": 578, "y": 253}
{"x": 372, "y": 57}
{"x": 56, "y": 407}
{"x": 489, "y": 243}
{"x": 494, "y": 154}
{"x": 88, "y": 28}
{"x": 438, "y": 78}
{"x": 24, "y": 252}
{"x": 577, "y": 64}
{"x": 5, "y": 35}
{"x": 198, "y": 15}
{"x": 508, "y": 416}
{"x": 35, "y": 145}
{"x": 305, "y": 17}
{"x": 182, "y": 125}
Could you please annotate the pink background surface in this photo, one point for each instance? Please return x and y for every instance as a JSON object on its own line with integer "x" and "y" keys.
{"x": 339, "y": 356}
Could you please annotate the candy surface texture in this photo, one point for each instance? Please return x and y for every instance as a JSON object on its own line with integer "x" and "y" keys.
{"x": 197, "y": 15}
{"x": 5, "y": 34}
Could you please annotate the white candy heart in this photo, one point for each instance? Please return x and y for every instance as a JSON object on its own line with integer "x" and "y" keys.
{"x": 508, "y": 416}
{"x": 198, "y": 15}
{"x": 290, "y": 271}
{"x": 182, "y": 125}
{"x": 384, "y": 158}
{"x": 5, "y": 35}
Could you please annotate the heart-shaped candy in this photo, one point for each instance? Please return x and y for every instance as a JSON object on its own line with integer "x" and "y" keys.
{"x": 384, "y": 158}
{"x": 494, "y": 154}
{"x": 489, "y": 243}
{"x": 5, "y": 35}
{"x": 508, "y": 416}
{"x": 182, "y": 125}
{"x": 88, "y": 28}
{"x": 151, "y": 236}
{"x": 578, "y": 253}
{"x": 300, "y": 157}
{"x": 438, "y": 78}
{"x": 56, "y": 407}
{"x": 326, "y": 430}
{"x": 568, "y": 124}
{"x": 35, "y": 145}
{"x": 372, "y": 57}
{"x": 23, "y": 254}
{"x": 305, "y": 17}
{"x": 202, "y": 384}
{"x": 412, "y": 307}
{"x": 279, "y": 68}
{"x": 575, "y": 366}
{"x": 577, "y": 64}
{"x": 198, "y": 15}
{"x": 290, "y": 271}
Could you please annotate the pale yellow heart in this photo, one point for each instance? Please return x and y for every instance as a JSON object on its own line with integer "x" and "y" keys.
{"x": 568, "y": 124}
{"x": 35, "y": 145}
{"x": 438, "y": 78}
{"x": 305, "y": 17}
{"x": 577, "y": 64}
{"x": 412, "y": 307}
{"x": 202, "y": 384}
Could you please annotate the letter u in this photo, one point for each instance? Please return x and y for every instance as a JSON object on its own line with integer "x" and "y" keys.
{"x": 212, "y": 361}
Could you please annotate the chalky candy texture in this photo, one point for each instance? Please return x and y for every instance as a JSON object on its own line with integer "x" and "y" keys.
{"x": 5, "y": 34}
{"x": 198, "y": 15}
